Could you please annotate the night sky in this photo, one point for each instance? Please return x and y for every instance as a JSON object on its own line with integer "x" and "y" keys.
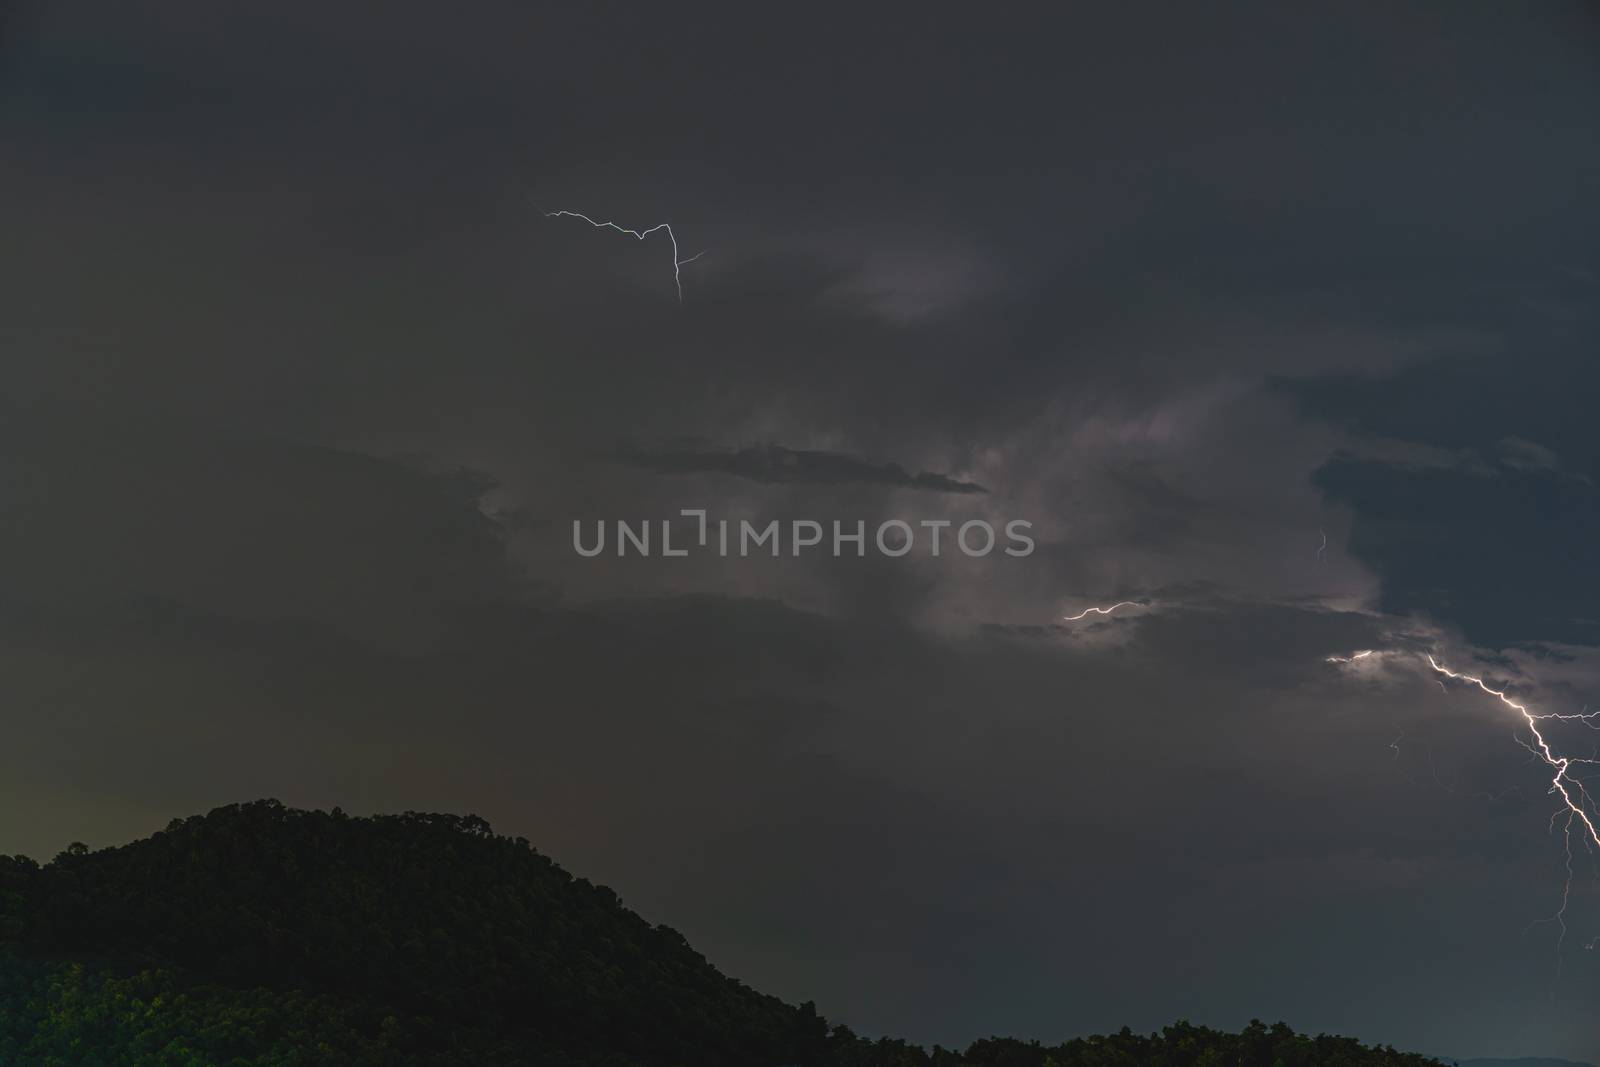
{"x": 303, "y": 392}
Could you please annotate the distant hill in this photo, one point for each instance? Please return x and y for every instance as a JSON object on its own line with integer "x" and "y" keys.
{"x": 1531, "y": 1061}
{"x": 262, "y": 936}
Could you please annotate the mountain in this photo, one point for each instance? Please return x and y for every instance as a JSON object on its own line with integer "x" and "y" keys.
{"x": 263, "y": 936}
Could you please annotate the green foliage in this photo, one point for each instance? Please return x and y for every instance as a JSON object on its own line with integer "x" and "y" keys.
{"x": 260, "y": 936}
{"x": 66, "y": 1015}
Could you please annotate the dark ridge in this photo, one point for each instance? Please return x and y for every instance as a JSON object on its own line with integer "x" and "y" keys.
{"x": 263, "y": 935}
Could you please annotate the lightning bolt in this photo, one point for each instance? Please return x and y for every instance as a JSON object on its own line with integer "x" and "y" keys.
{"x": 1576, "y": 813}
{"x": 665, "y": 227}
{"x": 1101, "y": 611}
{"x": 1322, "y": 549}
{"x": 1570, "y": 789}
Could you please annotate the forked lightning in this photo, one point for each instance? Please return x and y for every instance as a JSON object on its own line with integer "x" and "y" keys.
{"x": 665, "y": 227}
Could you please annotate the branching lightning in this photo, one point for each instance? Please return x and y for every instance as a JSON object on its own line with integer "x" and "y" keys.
{"x": 1573, "y": 795}
{"x": 1576, "y": 814}
{"x": 665, "y": 227}
{"x": 1575, "y": 799}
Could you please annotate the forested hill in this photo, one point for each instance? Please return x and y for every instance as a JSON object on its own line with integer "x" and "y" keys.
{"x": 260, "y": 935}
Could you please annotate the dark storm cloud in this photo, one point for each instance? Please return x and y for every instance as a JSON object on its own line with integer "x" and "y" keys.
{"x": 109, "y": 511}
{"x": 1477, "y": 504}
{"x": 774, "y": 463}
{"x": 1508, "y": 555}
{"x": 1139, "y": 274}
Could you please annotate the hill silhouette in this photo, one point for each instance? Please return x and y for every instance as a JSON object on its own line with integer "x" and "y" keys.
{"x": 260, "y": 936}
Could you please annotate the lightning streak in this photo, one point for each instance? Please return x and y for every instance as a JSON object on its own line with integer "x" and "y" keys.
{"x": 1101, "y": 611}
{"x": 1577, "y": 815}
{"x": 1577, "y": 805}
{"x": 1562, "y": 783}
{"x": 665, "y": 227}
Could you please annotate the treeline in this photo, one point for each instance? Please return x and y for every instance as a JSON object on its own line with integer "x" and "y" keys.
{"x": 260, "y": 936}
